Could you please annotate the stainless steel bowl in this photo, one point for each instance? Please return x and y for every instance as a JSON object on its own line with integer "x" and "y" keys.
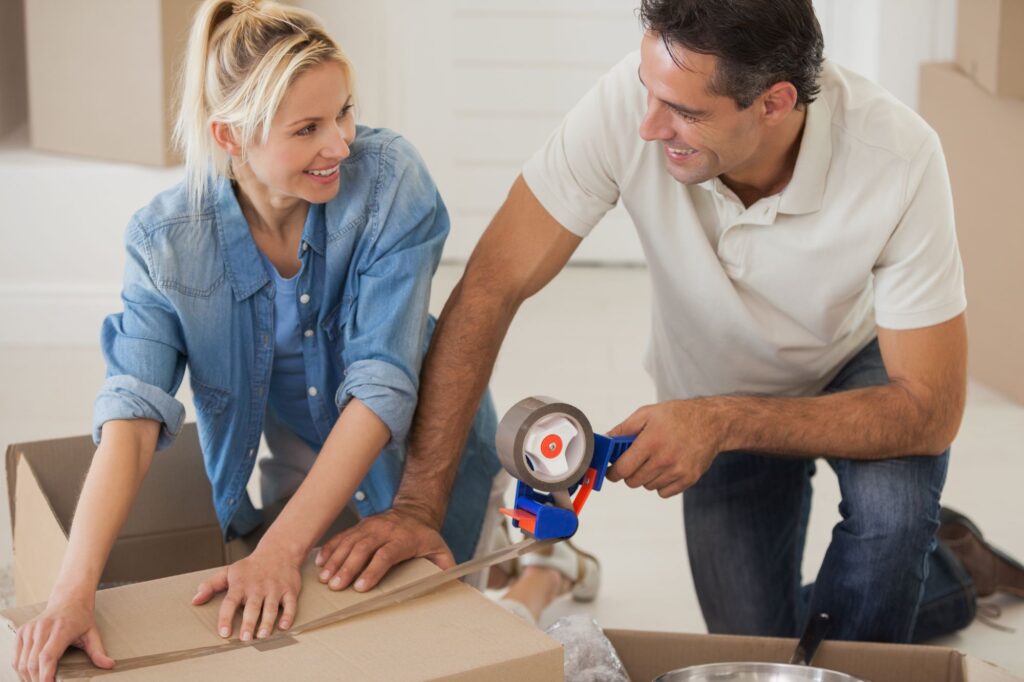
{"x": 754, "y": 672}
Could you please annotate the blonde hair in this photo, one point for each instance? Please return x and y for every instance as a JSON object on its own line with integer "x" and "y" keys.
{"x": 242, "y": 56}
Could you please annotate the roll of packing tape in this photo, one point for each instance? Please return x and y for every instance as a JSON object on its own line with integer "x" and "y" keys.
{"x": 543, "y": 424}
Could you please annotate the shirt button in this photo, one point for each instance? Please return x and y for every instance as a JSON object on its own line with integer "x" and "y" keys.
{"x": 308, "y": 333}
{"x": 231, "y": 500}
{"x": 252, "y": 452}
{"x": 312, "y": 391}
{"x": 360, "y": 496}
{"x": 305, "y": 246}
{"x": 304, "y": 299}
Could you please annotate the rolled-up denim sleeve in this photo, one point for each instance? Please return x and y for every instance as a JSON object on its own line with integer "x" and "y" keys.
{"x": 384, "y": 335}
{"x": 144, "y": 351}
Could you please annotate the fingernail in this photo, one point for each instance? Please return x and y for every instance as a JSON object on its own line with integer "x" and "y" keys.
{"x": 335, "y": 583}
{"x": 224, "y": 632}
{"x": 319, "y": 560}
{"x": 360, "y": 585}
{"x": 246, "y": 636}
{"x": 324, "y": 575}
{"x": 285, "y": 625}
{"x": 263, "y": 634}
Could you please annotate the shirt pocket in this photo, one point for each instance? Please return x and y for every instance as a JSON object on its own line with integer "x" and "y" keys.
{"x": 186, "y": 260}
{"x": 209, "y": 400}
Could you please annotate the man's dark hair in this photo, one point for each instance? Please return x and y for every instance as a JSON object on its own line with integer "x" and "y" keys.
{"x": 758, "y": 42}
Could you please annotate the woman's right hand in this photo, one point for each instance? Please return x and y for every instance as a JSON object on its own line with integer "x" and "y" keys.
{"x": 42, "y": 641}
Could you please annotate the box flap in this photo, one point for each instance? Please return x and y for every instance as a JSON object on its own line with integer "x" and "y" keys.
{"x": 649, "y": 654}
{"x": 452, "y": 632}
{"x": 39, "y": 541}
{"x": 978, "y": 670}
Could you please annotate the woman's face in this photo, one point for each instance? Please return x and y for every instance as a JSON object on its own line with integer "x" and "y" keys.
{"x": 309, "y": 136}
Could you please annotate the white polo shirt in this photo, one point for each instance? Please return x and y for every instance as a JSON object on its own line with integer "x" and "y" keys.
{"x": 775, "y": 298}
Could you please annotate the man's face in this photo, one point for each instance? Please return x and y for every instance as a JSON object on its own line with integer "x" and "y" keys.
{"x": 703, "y": 135}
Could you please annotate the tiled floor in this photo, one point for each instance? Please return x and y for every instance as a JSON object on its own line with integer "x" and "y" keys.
{"x": 592, "y": 360}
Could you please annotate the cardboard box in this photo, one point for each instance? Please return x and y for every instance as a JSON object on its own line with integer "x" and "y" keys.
{"x": 649, "y": 654}
{"x": 990, "y": 44}
{"x": 13, "y": 99}
{"x": 453, "y": 633}
{"x": 983, "y": 139}
{"x": 171, "y": 529}
{"x": 102, "y": 76}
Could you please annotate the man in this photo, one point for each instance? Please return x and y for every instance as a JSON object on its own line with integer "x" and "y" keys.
{"x": 807, "y": 303}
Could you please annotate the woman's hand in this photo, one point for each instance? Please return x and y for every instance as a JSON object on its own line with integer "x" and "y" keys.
{"x": 41, "y": 641}
{"x": 259, "y": 585}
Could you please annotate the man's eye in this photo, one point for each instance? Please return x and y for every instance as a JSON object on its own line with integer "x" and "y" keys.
{"x": 686, "y": 117}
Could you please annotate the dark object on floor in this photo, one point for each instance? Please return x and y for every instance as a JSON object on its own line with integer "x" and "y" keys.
{"x": 991, "y": 569}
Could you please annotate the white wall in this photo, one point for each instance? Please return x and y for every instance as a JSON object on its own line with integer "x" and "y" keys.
{"x": 477, "y": 85}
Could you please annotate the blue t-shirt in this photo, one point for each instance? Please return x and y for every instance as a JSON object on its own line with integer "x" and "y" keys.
{"x": 289, "y": 393}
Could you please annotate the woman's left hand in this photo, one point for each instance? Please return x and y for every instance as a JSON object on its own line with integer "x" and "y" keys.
{"x": 260, "y": 584}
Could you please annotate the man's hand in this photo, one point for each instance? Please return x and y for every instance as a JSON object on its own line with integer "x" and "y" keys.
{"x": 377, "y": 543}
{"x": 676, "y": 443}
{"x": 41, "y": 642}
{"x": 259, "y": 584}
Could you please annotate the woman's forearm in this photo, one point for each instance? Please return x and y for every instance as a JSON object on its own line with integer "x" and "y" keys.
{"x": 118, "y": 467}
{"x": 351, "y": 448}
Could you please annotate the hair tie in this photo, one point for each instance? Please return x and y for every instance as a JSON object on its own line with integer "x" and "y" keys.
{"x": 243, "y": 6}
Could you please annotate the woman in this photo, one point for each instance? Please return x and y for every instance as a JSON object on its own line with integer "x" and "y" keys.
{"x": 290, "y": 273}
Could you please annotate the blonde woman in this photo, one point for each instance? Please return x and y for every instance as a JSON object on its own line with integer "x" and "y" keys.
{"x": 290, "y": 273}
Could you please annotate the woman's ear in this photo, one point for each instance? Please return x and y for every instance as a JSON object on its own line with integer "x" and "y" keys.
{"x": 224, "y": 136}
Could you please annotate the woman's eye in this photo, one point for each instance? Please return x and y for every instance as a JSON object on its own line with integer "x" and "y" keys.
{"x": 308, "y": 130}
{"x": 345, "y": 111}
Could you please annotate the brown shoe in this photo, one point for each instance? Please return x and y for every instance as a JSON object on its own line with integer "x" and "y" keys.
{"x": 991, "y": 569}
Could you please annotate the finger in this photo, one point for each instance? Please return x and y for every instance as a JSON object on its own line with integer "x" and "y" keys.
{"x": 39, "y": 637}
{"x": 24, "y": 647}
{"x": 218, "y": 582}
{"x": 92, "y": 644}
{"x": 290, "y": 607}
{"x": 442, "y": 558}
{"x": 250, "y": 615}
{"x": 324, "y": 552}
{"x": 353, "y": 564}
{"x": 270, "y": 606}
{"x": 643, "y": 476}
{"x": 226, "y": 615}
{"x": 630, "y": 461}
{"x": 382, "y": 562}
{"x": 672, "y": 489}
{"x": 662, "y": 480}
{"x": 338, "y": 555}
{"x": 50, "y": 654}
{"x": 633, "y": 424}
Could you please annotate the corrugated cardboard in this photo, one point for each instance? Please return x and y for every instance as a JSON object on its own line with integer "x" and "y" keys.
{"x": 454, "y": 633}
{"x": 171, "y": 529}
{"x": 983, "y": 139}
{"x": 101, "y": 76}
{"x": 649, "y": 654}
{"x": 990, "y": 44}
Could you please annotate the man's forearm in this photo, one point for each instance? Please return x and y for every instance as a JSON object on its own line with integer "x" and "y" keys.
{"x": 870, "y": 423}
{"x": 454, "y": 377}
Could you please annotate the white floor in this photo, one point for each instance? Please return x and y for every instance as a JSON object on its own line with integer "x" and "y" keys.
{"x": 593, "y": 361}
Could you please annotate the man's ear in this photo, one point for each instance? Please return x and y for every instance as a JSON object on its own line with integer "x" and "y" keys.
{"x": 777, "y": 101}
{"x": 224, "y": 136}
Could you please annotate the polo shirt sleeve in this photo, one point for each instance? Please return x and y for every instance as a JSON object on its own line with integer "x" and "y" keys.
{"x": 919, "y": 278}
{"x": 576, "y": 174}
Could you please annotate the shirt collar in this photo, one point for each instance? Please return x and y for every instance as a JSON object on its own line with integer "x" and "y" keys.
{"x": 806, "y": 188}
{"x": 245, "y": 266}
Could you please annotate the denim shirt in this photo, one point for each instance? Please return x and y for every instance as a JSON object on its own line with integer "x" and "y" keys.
{"x": 196, "y": 293}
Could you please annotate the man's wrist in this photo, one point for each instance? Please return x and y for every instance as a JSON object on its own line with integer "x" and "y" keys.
{"x": 419, "y": 509}
{"x": 726, "y": 422}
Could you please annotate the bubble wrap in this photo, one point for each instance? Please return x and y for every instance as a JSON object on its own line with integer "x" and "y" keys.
{"x": 589, "y": 656}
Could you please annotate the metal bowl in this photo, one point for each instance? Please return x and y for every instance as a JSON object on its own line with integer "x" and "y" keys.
{"x": 754, "y": 672}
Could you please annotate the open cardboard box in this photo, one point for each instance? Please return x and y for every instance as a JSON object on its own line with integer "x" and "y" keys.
{"x": 454, "y": 633}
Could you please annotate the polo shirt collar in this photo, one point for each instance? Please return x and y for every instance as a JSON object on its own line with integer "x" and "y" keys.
{"x": 806, "y": 188}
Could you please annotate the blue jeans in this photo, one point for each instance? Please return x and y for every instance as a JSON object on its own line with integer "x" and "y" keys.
{"x": 885, "y": 578}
